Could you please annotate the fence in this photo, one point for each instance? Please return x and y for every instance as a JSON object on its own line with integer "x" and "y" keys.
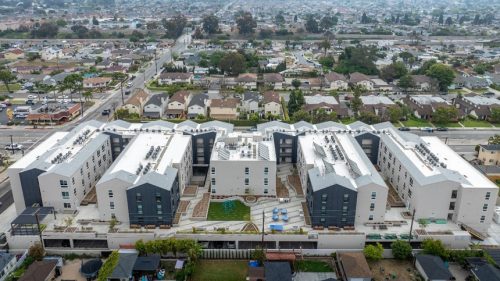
{"x": 221, "y": 254}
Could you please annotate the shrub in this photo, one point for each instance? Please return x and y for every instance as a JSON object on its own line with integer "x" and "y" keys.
{"x": 435, "y": 247}
{"x": 401, "y": 250}
{"x": 374, "y": 252}
{"x": 108, "y": 266}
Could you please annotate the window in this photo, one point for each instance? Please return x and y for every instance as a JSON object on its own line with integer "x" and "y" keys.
{"x": 67, "y": 205}
{"x": 485, "y": 207}
{"x": 247, "y": 181}
{"x": 113, "y": 216}
{"x": 110, "y": 193}
{"x": 213, "y": 190}
{"x": 212, "y": 170}
{"x": 266, "y": 171}
{"x": 213, "y": 181}
{"x": 374, "y": 195}
{"x": 159, "y": 209}
{"x": 65, "y": 195}
{"x": 372, "y": 206}
{"x": 487, "y": 197}
{"x": 454, "y": 194}
{"x": 482, "y": 219}
{"x": 158, "y": 197}
{"x": 370, "y": 218}
{"x": 266, "y": 181}
{"x": 346, "y": 197}
{"x": 112, "y": 205}
{"x": 63, "y": 183}
{"x": 266, "y": 191}
{"x": 411, "y": 181}
{"x": 139, "y": 209}
{"x": 324, "y": 197}
{"x": 322, "y": 219}
{"x": 247, "y": 171}
{"x": 409, "y": 193}
{"x": 452, "y": 206}
{"x": 138, "y": 197}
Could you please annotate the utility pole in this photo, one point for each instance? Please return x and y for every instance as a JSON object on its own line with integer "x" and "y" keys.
{"x": 121, "y": 88}
{"x": 263, "y": 234}
{"x": 39, "y": 228}
{"x": 411, "y": 226}
{"x": 156, "y": 64}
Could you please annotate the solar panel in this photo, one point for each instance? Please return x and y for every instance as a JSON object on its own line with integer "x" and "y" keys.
{"x": 354, "y": 167}
{"x": 328, "y": 167}
{"x": 319, "y": 149}
{"x": 263, "y": 151}
{"x": 224, "y": 154}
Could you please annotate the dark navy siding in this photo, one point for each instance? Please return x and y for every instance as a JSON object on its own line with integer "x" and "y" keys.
{"x": 31, "y": 187}
{"x": 282, "y": 137}
{"x": 208, "y": 141}
{"x": 373, "y": 156}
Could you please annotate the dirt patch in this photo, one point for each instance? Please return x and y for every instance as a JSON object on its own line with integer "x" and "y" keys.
{"x": 391, "y": 269}
{"x": 71, "y": 271}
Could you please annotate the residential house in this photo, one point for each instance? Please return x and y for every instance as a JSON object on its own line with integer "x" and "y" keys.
{"x": 481, "y": 270}
{"x": 470, "y": 82}
{"x": 423, "y": 83}
{"x": 274, "y": 80}
{"x": 336, "y": 81}
{"x": 423, "y": 106}
{"x": 178, "y": 103}
{"x": 277, "y": 271}
{"x": 13, "y": 54}
{"x": 381, "y": 85}
{"x": 170, "y": 78}
{"x": 477, "y": 106}
{"x": 272, "y": 103}
{"x": 96, "y": 82}
{"x": 224, "y": 109}
{"x": 353, "y": 266}
{"x": 197, "y": 106}
{"x": 123, "y": 269}
{"x": 135, "y": 104}
{"x": 7, "y": 264}
{"x": 359, "y": 79}
{"x": 51, "y": 53}
{"x": 432, "y": 268}
{"x": 250, "y": 102}
{"x": 489, "y": 154}
{"x": 378, "y": 105}
{"x": 247, "y": 81}
{"x": 125, "y": 62}
{"x": 40, "y": 271}
{"x": 328, "y": 103}
{"x": 156, "y": 106}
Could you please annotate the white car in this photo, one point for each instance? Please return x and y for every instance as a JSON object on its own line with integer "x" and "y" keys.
{"x": 31, "y": 97}
{"x": 14, "y": 146}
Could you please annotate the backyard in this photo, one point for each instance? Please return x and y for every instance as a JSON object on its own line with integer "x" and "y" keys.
{"x": 469, "y": 122}
{"x": 227, "y": 270}
{"x": 313, "y": 266}
{"x": 391, "y": 269}
{"x": 414, "y": 122}
{"x": 226, "y": 211}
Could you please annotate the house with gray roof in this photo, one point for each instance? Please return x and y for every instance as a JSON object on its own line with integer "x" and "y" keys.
{"x": 250, "y": 102}
{"x": 197, "y": 106}
{"x": 432, "y": 268}
{"x": 124, "y": 268}
{"x": 156, "y": 106}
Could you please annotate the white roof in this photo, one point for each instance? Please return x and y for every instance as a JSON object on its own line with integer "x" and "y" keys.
{"x": 372, "y": 99}
{"x": 480, "y": 100}
{"x": 319, "y": 99}
{"x": 245, "y": 147}
{"x": 427, "y": 99}
{"x": 39, "y": 150}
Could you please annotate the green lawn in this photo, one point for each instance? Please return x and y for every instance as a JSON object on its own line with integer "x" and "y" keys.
{"x": 469, "y": 122}
{"x": 12, "y": 87}
{"x": 448, "y": 125}
{"x": 313, "y": 266}
{"x": 216, "y": 212}
{"x": 415, "y": 122}
{"x": 227, "y": 270}
{"x": 347, "y": 121}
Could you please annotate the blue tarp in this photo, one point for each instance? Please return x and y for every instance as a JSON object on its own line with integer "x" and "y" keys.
{"x": 277, "y": 227}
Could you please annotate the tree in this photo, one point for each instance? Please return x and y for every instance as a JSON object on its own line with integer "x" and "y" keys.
{"x": 441, "y": 20}
{"x": 73, "y": 83}
{"x": 61, "y": 23}
{"x": 233, "y": 63}
{"x": 87, "y": 95}
{"x": 175, "y": 26}
{"x": 358, "y": 59}
{"x": 395, "y": 113}
{"x": 443, "y": 74}
{"x": 80, "y": 31}
{"x": 136, "y": 36}
{"x": 494, "y": 139}
{"x": 325, "y": 45}
{"x": 327, "y": 61}
{"x": 373, "y": 252}
{"x": 95, "y": 21}
{"x": 328, "y": 22}
{"x": 36, "y": 251}
{"x": 259, "y": 255}
{"x": 321, "y": 115}
{"x": 245, "y": 22}
{"x": 449, "y": 21}
{"x": 405, "y": 56}
{"x": 495, "y": 115}
{"x": 406, "y": 82}
{"x": 444, "y": 114}
{"x": 295, "y": 102}
{"x": 435, "y": 247}
{"x": 6, "y": 77}
{"x": 296, "y": 83}
{"x": 401, "y": 250}
{"x": 356, "y": 102}
{"x": 393, "y": 71}
{"x": 368, "y": 117}
{"x": 365, "y": 19}
{"x": 301, "y": 115}
{"x": 211, "y": 24}
{"x": 311, "y": 24}
{"x": 279, "y": 19}
{"x": 45, "y": 30}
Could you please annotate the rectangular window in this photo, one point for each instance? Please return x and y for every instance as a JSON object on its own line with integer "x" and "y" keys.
{"x": 266, "y": 181}
{"x": 488, "y": 194}
{"x": 63, "y": 183}
{"x": 482, "y": 219}
{"x": 112, "y": 205}
{"x": 139, "y": 209}
{"x": 213, "y": 190}
{"x": 266, "y": 171}
{"x": 322, "y": 219}
{"x": 324, "y": 197}
{"x": 65, "y": 195}
{"x": 485, "y": 207}
{"x": 213, "y": 171}
{"x": 374, "y": 195}
{"x": 372, "y": 206}
{"x": 454, "y": 194}
{"x": 247, "y": 181}
{"x": 411, "y": 181}
{"x": 138, "y": 197}
{"x": 67, "y": 205}
{"x": 452, "y": 206}
{"x": 159, "y": 209}
{"x": 110, "y": 193}
{"x": 158, "y": 197}
{"x": 213, "y": 181}
{"x": 266, "y": 191}
{"x": 247, "y": 171}
{"x": 370, "y": 218}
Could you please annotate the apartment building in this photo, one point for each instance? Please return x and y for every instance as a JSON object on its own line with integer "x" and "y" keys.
{"x": 489, "y": 154}
{"x": 434, "y": 181}
{"x": 341, "y": 185}
{"x": 243, "y": 164}
{"x": 62, "y": 170}
{"x": 144, "y": 184}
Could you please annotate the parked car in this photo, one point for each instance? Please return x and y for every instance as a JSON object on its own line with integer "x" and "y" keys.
{"x": 14, "y": 146}
{"x": 127, "y": 92}
{"x": 427, "y": 129}
{"x": 404, "y": 129}
{"x": 106, "y": 112}
{"x": 30, "y": 102}
{"x": 442, "y": 129}
{"x": 31, "y": 97}
{"x": 7, "y": 103}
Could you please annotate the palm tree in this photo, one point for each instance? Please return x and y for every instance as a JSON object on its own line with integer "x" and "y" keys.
{"x": 87, "y": 95}
{"x": 6, "y": 76}
{"x": 325, "y": 45}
